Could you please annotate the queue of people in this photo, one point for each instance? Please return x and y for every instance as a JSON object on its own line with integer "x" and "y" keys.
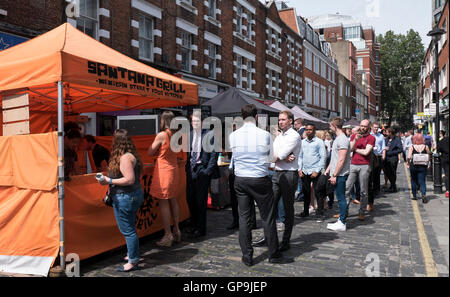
{"x": 266, "y": 172}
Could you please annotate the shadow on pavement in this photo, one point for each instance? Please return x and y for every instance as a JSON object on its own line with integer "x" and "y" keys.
{"x": 167, "y": 256}
{"x": 304, "y": 244}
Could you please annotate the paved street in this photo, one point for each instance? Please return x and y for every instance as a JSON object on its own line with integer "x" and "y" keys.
{"x": 389, "y": 233}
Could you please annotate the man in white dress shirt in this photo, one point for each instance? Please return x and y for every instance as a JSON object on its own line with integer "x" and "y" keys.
{"x": 286, "y": 148}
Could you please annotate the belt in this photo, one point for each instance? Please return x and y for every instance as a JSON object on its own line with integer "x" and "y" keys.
{"x": 286, "y": 170}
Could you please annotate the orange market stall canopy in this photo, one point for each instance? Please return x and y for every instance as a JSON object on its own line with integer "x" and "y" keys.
{"x": 96, "y": 78}
{"x": 63, "y": 71}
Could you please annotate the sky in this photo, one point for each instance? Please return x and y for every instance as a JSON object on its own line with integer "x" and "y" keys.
{"x": 384, "y": 15}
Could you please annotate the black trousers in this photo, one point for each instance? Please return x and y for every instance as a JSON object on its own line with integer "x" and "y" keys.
{"x": 390, "y": 167}
{"x": 306, "y": 183}
{"x": 445, "y": 166}
{"x": 259, "y": 190}
{"x": 234, "y": 202}
{"x": 197, "y": 200}
{"x": 374, "y": 179}
{"x": 284, "y": 185}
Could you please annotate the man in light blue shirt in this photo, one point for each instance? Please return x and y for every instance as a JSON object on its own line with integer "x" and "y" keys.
{"x": 379, "y": 155}
{"x": 311, "y": 163}
{"x": 407, "y": 143}
{"x": 251, "y": 149}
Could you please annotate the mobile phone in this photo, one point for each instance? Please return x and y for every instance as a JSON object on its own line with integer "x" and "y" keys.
{"x": 99, "y": 176}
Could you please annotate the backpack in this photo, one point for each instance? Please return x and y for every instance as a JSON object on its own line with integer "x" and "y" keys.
{"x": 420, "y": 159}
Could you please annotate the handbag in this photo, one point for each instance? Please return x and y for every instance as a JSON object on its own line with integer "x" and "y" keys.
{"x": 108, "y": 200}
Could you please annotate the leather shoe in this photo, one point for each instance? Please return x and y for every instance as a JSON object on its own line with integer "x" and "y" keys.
{"x": 197, "y": 234}
{"x": 281, "y": 260}
{"x": 233, "y": 226}
{"x": 259, "y": 242}
{"x": 284, "y": 247}
{"x": 392, "y": 190}
{"x": 302, "y": 215}
{"x": 247, "y": 262}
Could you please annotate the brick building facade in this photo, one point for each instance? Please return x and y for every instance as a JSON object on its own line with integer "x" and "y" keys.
{"x": 426, "y": 105}
{"x": 320, "y": 70}
{"x": 334, "y": 28}
{"x": 214, "y": 43}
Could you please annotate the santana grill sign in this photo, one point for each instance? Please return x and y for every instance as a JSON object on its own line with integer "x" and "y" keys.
{"x": 122, "y": 78}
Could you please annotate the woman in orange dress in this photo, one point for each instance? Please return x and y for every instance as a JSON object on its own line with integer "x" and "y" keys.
{"x": 165, "y": 180}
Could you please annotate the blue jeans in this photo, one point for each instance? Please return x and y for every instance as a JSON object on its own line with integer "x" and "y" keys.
{"x": 418, "y": 178}
{"x": 125, "y": 207}
{"x": 299, "y": 189}
{"x": 340, "y": 195}
{"x": 280, "y": 212}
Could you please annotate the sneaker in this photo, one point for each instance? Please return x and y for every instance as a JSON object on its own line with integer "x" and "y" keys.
{"x": 338, "y": 226}
{"x": 312, "y": 210}
{"x": 425, "y": 199}
{"x": 280, "y": 226}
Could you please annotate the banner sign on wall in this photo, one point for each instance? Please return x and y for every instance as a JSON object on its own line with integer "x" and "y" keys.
{"x": 9, "y": 40}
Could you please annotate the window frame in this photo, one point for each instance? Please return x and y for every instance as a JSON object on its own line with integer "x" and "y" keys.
{"x": 86, "y": 17}
{"x": 150, "y": 40}
{"x": 212, "y": 60}
{"x": 212, "y": 9}
{"x": 185, "y": 48}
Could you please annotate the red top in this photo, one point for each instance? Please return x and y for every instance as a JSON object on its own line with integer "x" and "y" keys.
{"x": 361, "y": 143}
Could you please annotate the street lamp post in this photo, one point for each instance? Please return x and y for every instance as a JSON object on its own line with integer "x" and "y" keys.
{"x": 436, "y": 34}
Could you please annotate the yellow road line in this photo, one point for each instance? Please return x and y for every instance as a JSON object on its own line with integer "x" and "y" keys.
{"x": 430, "y": 265}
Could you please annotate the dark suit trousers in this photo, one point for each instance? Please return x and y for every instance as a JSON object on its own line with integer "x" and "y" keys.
{"x": 390, "y": 166}
{"x": 234, "y": 202}
{"x": 284, "y": 185}
{"x": 197, "y": 199}
{"x": 307, "y": 180}
{"x": 374, "y": 179}
{"x": 259, "y": 190}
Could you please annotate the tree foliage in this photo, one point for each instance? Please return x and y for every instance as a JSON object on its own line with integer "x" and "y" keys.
{"x": 401, "y": 60}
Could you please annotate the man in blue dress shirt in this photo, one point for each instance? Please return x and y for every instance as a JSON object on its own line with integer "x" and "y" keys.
{"x": 311, "y": 163}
